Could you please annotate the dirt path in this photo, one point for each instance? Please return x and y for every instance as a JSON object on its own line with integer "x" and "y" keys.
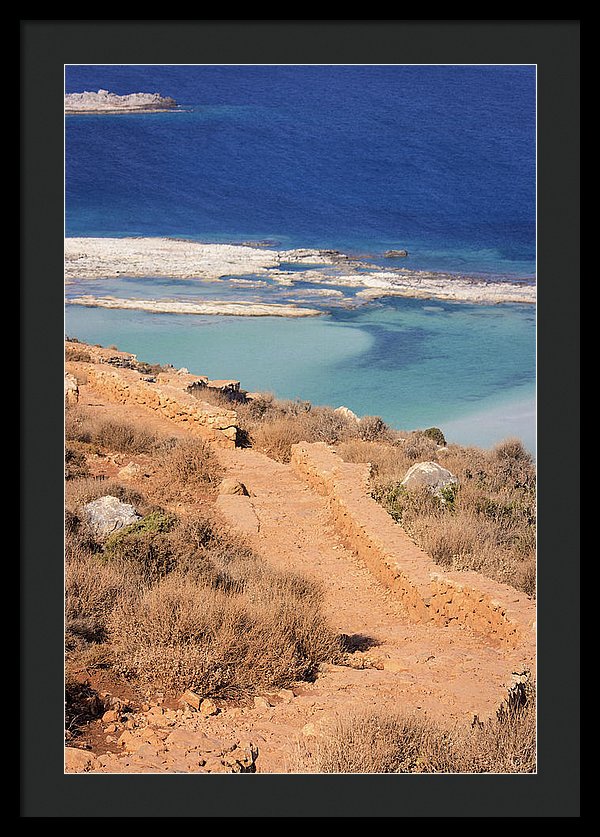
{"x": 442, "y": 673}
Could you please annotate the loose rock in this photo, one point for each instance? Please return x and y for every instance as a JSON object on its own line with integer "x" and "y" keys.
{"x": 429, "y": 475}
{"x": 232, "y": 486}
{"x": 107, "y": 514}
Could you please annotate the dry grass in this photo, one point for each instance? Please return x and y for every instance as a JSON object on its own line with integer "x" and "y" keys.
{"x": 186, "y": 466}
{"x": 81, "y": 425}
{"x": 185, "y": 604}
{"x": 273, "y": 426}
{"x": 218, "y": 641}
{"x": 487, "y": 524}
{"x": 75, "y": 463}
{"x": 375, "y": 743}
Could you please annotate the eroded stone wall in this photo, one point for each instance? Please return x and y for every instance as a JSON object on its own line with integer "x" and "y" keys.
{"x": 165, "y": 393}
{"x": 499, "y": 613}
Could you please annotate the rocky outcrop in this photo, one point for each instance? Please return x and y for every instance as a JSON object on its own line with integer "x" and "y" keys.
{"x": 71, "y": 390}
{"x": 395, "y": 254}
{"x": 102, "y": 102}
{"x": 107, "y": 514}
{"x": 429, "y": 475}
{"x": 498, "y": 613}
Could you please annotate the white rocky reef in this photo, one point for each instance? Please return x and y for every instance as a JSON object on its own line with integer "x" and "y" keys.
{"x": 110, "y": 258}
{"x": 103, "y": 101}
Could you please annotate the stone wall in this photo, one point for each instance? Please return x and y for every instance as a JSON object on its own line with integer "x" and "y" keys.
{"x": 502, "y": 615}
{"x": 165, "y": 393}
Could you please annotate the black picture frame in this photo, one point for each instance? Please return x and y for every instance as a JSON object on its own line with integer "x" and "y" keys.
{"x": 46, "y": 46}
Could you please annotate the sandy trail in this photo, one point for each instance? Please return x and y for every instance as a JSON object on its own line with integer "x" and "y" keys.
{"x": 445, "y": 674}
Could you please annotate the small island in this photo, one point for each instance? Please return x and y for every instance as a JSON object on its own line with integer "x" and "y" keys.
{"x": 105, "y": 102}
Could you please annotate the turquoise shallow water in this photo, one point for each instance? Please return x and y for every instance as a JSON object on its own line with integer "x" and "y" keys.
{"x": 468, "y": 369}
{"x": 439, "y": 160}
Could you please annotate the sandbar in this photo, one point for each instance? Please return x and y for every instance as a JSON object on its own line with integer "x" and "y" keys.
{"x": 166, "y": 306}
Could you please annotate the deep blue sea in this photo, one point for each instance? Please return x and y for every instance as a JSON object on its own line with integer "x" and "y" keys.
{"x": 438, "y": 160}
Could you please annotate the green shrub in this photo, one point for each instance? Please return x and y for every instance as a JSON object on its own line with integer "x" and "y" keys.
{"x": 436, "y": 434}
{"x": 145, "y": 545}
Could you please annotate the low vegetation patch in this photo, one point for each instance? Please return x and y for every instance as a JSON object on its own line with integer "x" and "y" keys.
{"x": 185, "y": 466}
{"x": 484, "y": 523}
{"x": 82, "y": 426}
{"x": 378, "y": 743}
{"x": 272, "y": 425}
{"x": 174, "y": 604}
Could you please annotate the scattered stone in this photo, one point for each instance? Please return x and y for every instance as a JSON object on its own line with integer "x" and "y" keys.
{"x": 79, "y": 761}
{"x": 110, "y": 739}
{"x": 108, "y": 514}
{"x": 215, "y": 765}
{"x": 128, "y": 741}
{"x": 208, "y": 708}
{"x": 191, "y": 699}
{"x": 132, "y": 469}
{"x": 429, "y": 475}
{"x": 244, "y": 755}
{"x": 286, "y": 695}
{"x": 261, "y": 703}
{"x": 71, "y": 390}
{"x": 232, "y": 486}
{"x": 110, "y": 728}
{"x": 347, "y": 413}
{"x": 110, "y": 716}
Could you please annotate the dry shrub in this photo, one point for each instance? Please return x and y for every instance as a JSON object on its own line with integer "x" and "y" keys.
{"x": 77, "y": 355}
{"x": 179, "y": 634}
{"x": 373, "y": 429}
{"x": 186, "y": 604}
{"x": 185, "y": 466}
{"x": 123, "y": 437}
{"x": 78, "y": 427}
{"x": 92, "y": 588}
{"x": 419, "y": 447}
{"x": 92, "y": 585}
{"x": 83, "y": 426}
{"x": 276, "y": 437}
{"x": 82, "y": 705}
{"x": 273, "y": 426}
{"x": 375, "y": 743}
{"x": 144, "y": 547}
{"x": 75, "y": 463}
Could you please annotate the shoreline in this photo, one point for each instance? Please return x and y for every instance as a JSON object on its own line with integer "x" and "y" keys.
{"x": 173, "y": 258}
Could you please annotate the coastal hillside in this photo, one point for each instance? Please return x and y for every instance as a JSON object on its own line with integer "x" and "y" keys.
{"x": 264, "y": 586}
